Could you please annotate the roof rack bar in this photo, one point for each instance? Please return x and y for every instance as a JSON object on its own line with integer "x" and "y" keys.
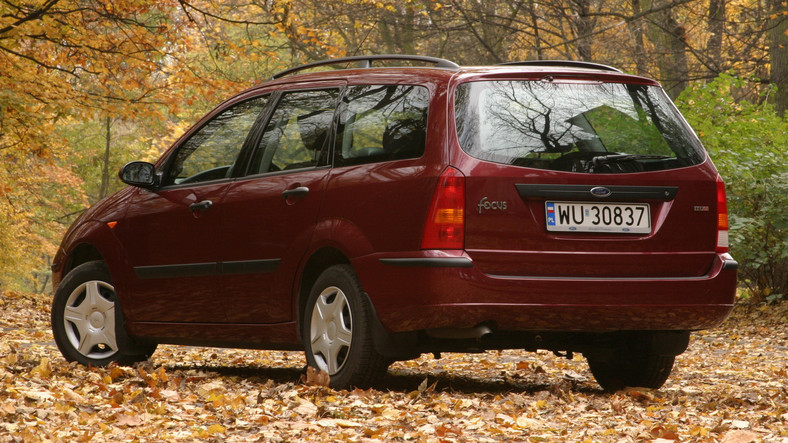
{"x": 365, "y": 61}
{"x": 564, "y": 63}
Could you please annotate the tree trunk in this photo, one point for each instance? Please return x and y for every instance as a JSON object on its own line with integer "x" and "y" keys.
{"x": 104, "y": 189}
{"x": 536, "y": 27}
{"x": 668, "y": 37}
{"x": 779, "y": 53}
{"x": 716, "y": 25}
{"x": 47, "y": 275}
{"x": 583, "y": 24}
{"x": 636, "y": 28}
{"x": 397, "y": 30}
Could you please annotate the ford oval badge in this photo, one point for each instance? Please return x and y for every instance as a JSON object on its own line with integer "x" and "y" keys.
{"x": 601, "y": 192}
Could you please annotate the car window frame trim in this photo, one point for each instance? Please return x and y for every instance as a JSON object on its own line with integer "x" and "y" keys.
{"x": 342, "y": 106}
{"x": 276, "y": 96}
{"x": 166, "y": 161}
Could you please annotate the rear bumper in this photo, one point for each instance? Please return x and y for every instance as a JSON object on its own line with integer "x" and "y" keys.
{"x": 443, "y": 289}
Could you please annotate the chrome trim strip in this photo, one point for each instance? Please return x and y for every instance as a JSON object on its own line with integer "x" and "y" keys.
{"x": 611, "y": 279}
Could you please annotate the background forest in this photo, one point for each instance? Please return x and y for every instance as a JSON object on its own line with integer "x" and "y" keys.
{"x": 88, "y": 85}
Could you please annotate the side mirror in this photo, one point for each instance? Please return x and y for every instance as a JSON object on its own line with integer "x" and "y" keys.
{"x": 140, "y": 174}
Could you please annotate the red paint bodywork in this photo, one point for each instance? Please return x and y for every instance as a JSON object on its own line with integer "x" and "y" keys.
{"x": 517, "y": 277}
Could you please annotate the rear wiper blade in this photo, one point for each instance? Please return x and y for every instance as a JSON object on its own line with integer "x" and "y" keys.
{"x": 615, "y": 158}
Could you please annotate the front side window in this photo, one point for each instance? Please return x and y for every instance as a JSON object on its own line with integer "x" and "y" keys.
{"x": 576, "y": 127}
{"x": 297, "y": 133}
{"x": 209, "y": 154}
{"x": 380, "y": 123}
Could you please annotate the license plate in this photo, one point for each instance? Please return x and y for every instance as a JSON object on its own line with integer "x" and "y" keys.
{"x": 616, "y": 218}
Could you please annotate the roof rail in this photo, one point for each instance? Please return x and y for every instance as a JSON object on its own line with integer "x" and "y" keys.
{"x": 564, "y": 63}
{"x": 365, "y": 61}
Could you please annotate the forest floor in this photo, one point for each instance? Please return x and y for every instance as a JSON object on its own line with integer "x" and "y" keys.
{"x": 730, "y": 386}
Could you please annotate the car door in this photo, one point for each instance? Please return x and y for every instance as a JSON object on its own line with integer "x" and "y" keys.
{"x": 171, "y": 232}
{"x": 269, "y": 216}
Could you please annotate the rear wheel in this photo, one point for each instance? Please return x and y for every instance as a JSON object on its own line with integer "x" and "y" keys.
{"x": 87, "y": 322}
{"x": 630, "y": 368}
{"x": 336, "y": 330}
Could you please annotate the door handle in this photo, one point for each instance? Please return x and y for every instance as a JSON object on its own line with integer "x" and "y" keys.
{"x": 201, "y": 206}
{"x": 295, "y": 192}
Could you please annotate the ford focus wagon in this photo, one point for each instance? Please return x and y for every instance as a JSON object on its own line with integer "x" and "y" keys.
{"x": 372, "y": 213}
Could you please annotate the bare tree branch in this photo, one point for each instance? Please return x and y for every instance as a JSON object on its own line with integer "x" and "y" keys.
{"x": 33, "y": 15}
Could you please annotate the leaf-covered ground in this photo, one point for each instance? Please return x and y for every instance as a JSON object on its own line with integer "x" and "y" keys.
{"x": 730, "y": 386}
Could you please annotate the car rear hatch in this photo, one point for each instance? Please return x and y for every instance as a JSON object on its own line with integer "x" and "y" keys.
{"x": 584, "y": 179}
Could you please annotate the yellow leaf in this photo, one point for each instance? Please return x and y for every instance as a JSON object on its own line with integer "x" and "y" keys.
{"x": 128, "y": 420}
{"x": 315, "y": 377}
{"x": 215, "y": 429}
{"x": 43, "y": 370}
{"x": 525, "y": 422}
{"x": 390, "y": 414}
{"x": 699, "y": 431}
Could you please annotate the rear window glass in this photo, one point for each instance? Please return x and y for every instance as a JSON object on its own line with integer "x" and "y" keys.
{"x": 380, "y": 123}
{"x": 575, "y": 127}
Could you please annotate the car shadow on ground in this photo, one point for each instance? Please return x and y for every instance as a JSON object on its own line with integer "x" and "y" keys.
{"x": 405, "y": 380}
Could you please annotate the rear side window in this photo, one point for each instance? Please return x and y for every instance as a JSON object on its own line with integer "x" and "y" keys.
{"x": 381, "y": 123}
{"x": 576, "y": 127}
{"x": 296, "y": 135}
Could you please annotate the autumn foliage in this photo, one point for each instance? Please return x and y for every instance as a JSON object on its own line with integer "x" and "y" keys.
{"x": 64, "y": 63}
{"x": 86, "y": 85}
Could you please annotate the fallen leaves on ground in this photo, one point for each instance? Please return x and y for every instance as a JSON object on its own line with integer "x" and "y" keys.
{"x": 728, "y": 387}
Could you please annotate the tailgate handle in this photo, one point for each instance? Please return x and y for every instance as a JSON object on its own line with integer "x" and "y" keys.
{"x": 665, "y": 193}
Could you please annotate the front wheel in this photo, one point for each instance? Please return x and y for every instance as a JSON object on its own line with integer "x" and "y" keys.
{"x": 87, "y": 322}
{"x": 336, "y": 330}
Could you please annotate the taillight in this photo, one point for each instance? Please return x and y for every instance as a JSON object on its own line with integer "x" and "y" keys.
{"x": 445, "y": 228}
{"x": 722, "y": 217}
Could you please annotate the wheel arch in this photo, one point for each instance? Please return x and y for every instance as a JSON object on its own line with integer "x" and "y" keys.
{"x": 91, "y": 241}
{"x": 334, "y": 242}
{"x": 318, "y": 262}
{"x": 400, "y": 347}
{"x": 82, "y": 253}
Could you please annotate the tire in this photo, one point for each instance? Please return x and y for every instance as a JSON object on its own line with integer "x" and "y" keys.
{"x": 87, "y": 322}
{"x": 336, "y": 330}
{"x": 631, "y": 369}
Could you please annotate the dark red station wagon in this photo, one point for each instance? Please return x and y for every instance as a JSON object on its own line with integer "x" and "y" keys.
{"x": 373, "y": 214}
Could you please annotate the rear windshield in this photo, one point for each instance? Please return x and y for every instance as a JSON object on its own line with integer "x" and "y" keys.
{"x": 575, "y": 127}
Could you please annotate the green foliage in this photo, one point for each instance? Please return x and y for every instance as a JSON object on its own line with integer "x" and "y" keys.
{"x": 88, "y": 143}
{"x": 748, "y": 141}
